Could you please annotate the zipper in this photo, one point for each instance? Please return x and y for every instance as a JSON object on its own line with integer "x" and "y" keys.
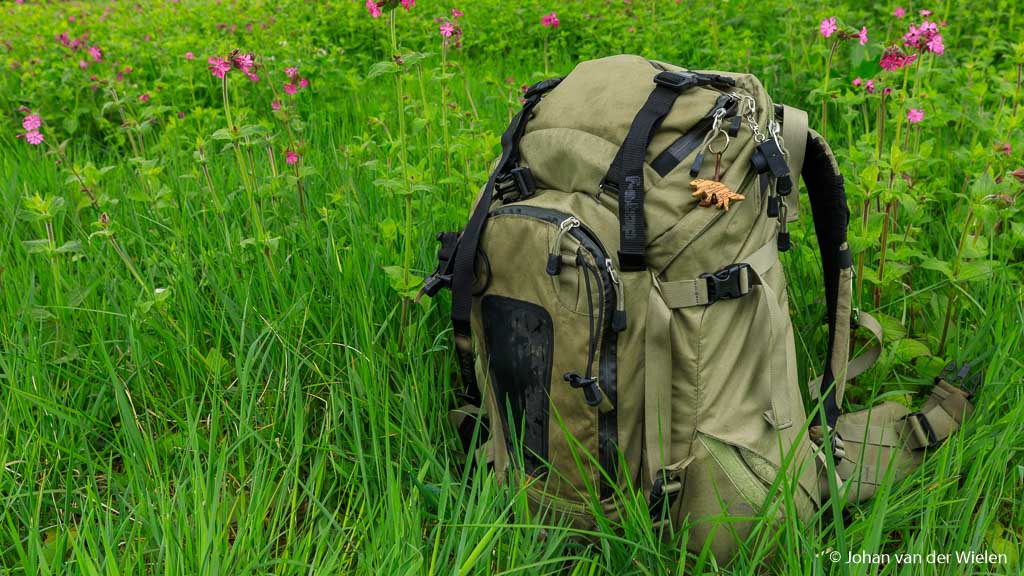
{"x": 619, "y": 316}
{"x": 687, "y": 143}
{"x": 554, "y": 267}
{"x": 612, "y": 295}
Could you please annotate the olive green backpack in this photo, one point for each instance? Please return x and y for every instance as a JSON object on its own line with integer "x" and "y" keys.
{"x": 620, "y": 312}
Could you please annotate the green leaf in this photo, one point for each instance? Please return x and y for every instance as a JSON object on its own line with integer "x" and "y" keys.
{"x": 932, "y": 263}
{"x": 222, "y": 134}
{"x": 70, "y": 246}
{"x": 71, "y": 124}
{"x": 976, "y": 270}
{"x": 36, "y": 246}
{"x": 907, "y": 349}
{"x": 382, "y": 68}
{"x": 250, "y": 130}
{"x": 215, "y": 361}
{"x": 405, "y": 283}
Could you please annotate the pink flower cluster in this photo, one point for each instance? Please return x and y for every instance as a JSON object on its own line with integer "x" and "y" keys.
{"x": 914, "y": 115}
{"x": 294, "y": 84}
{"x": 219, "y": 67}
{"x": 924, "y": 38}
{"x": 550, "y": 20}
{"x": 95, "y": 53}
{"x": 869, "y": 86}
{"x": 450, "y": 29}
{"x": 31, "y": 124}
{"x": 376, "y": 7}
{"x": 828, "y": 27}
{"x": 894, "y": 58}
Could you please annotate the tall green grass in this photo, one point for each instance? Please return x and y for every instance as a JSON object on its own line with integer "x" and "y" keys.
{"x": 252, "y": 408}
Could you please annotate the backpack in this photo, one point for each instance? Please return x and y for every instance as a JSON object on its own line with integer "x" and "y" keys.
{"x": 620, "y": 312}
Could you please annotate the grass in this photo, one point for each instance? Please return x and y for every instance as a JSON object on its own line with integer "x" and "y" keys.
{"x": 207, "y": 386}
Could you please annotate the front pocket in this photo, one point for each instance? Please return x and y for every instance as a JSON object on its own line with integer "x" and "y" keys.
{"x": 548, "y": 315}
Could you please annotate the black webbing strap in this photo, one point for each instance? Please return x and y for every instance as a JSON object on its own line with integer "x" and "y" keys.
{"x": 831, "y": 216}
{"x": 626, "y": 173}
{"x": 465, "y": 257}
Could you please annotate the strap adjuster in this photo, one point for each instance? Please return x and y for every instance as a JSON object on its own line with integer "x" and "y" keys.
{"x": 665, "y": 487}
{"x": 926, "y": 432}
{"x": 519, "y": 180}
{"x": 730, "y": 282}
{"x": 677, "y": 81}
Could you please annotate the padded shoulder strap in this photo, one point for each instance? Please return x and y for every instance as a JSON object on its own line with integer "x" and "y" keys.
{"x": 831, "y": 216}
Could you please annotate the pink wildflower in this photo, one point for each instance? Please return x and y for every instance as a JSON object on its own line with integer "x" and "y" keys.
{"x": 290, "y": 88}
{"x": 899, "y": 13}
{"x": 252, "y": 76}
{"x": 291, "y": 157}
{"x": 863, "y": 35}
{"x": 924, "y": 38}
{"x": 895, "y": 58}
{"x": 292, "y": 72}
{"x": 275, "y": 105}
{"x": 887, "y": 91}
{"x": 1005, "y": 148}
{"x": 828, "y": 27}
{"x": 34, "y": 137}
{"x": 857, "y": 81}
{"x": 218, "y": 66}
{"x": 303, "y": 83}
{"x": 31, "y": 122}
{"x": 456, "y": 13}
{"x": 914, "y": 115}
{"x": 143, "y": 98}
{"x": 127, "y": 69}
{"x": 374, "y": 8}
{"x": 408, "y": 4}
{"x": 96, "y": 53}
{"x": 446, "y": 29}
{"x": 83, "y": 64}
{"x": 189, "y": 56}
{"x": 870, "y": 87}
{"x": 550, "y": 20}
{"x": 925, "y": 13}
{"x": 243, "y": 62}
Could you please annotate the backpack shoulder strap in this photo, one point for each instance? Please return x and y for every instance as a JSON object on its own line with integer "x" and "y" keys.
{"x": 831, "y": 215}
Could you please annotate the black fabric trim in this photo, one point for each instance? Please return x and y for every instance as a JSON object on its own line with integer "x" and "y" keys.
{"x": 520, "y": 345}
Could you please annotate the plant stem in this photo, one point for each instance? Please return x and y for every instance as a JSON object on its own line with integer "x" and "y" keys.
{"x": 824, "y": 89}
{"x": 956, "y": 274}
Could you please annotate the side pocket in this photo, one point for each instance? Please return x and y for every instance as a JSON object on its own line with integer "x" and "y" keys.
{"x": 746, "y": 483}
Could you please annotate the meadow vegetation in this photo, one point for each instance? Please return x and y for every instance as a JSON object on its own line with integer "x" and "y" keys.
{"x": 215, "y": 215}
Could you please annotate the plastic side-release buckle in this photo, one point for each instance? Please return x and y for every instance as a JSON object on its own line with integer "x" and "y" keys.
{"x": 730, "y": 282}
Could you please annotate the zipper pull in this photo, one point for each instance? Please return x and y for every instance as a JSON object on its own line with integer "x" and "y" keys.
{"x": 619, "y": 316}
{"x": 554, "y": 267}
{"x": 782, "y": 242}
